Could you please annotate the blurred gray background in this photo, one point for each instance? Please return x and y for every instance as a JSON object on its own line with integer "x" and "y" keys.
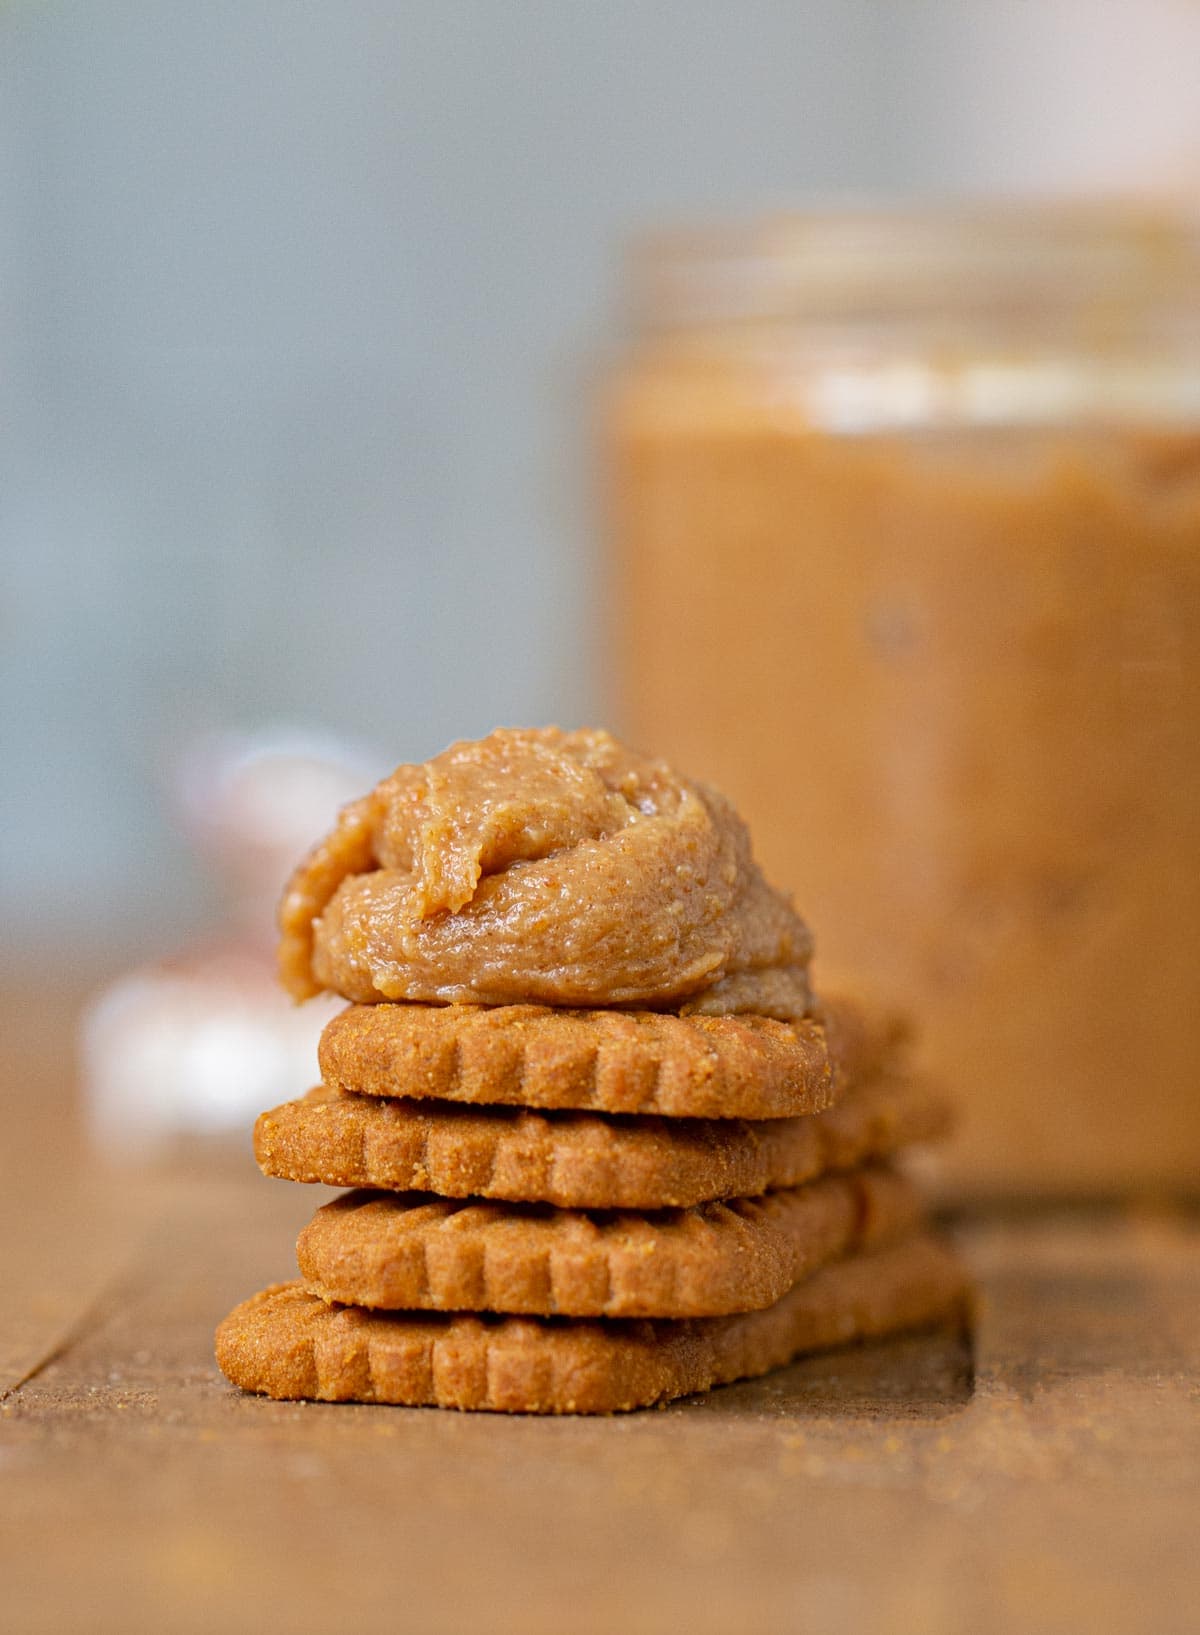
{"x": 302, "y": 311}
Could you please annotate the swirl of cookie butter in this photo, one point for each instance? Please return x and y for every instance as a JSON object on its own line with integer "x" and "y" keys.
{"x": 543, "y": 866}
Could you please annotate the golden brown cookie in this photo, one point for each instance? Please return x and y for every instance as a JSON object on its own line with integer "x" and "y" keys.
{"x": 286, "y": 1343}
{"x": 583, "y": 1160}
{"x": 412, "y": 1252}
{"x": 604, "y": 1060}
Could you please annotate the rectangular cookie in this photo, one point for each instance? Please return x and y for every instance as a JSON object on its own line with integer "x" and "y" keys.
{"x": 286, "y": 1343}
{"x": 583, "y": 1160}
{"x": 405, "y": 1251}
{"x": 611, "y": 1061}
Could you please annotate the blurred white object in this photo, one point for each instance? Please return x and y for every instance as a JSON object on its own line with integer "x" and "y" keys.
{"x": 253, "y": 804}
{"x": 202, "y": 1043}
{"x": 194, "y": 1048}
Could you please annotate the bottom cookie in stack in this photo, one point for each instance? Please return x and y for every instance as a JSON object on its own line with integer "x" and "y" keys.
{"x": 287, "y": 1343}
{"x": 623, "y": 1257}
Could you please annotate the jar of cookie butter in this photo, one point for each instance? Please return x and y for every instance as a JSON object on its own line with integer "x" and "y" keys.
{"x": 906, "y": 532}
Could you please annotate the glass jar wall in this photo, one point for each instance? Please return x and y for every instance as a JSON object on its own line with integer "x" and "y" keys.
{"x": 907, "y": 533}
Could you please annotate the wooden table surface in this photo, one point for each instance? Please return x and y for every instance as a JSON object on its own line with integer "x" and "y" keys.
{"x": 1045, "y": 1477}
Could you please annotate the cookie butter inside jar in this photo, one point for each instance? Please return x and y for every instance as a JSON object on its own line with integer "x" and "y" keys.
{"x": 907, "y": 525}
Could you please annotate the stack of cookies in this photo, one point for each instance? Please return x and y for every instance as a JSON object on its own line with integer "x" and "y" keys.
{"x": 607, "y": 1146}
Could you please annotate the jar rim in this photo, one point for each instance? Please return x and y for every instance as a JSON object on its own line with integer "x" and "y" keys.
{"x": 1025, "y": 262}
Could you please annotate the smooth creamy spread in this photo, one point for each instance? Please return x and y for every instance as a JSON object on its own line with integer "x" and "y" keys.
{"x": 953, "y": 683}
{"x": 544, "y": 866}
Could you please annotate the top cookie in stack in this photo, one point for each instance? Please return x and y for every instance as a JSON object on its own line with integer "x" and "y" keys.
{"x": 574, "y": 995}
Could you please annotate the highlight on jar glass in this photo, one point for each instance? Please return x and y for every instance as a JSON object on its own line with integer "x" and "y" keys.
{"x": 905, "y": 548}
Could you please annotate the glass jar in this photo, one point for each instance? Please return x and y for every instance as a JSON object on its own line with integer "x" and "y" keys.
{"x": 907, "y": 555}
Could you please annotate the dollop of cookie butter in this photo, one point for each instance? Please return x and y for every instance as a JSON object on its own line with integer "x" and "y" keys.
{"x": 547, "y": 867}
